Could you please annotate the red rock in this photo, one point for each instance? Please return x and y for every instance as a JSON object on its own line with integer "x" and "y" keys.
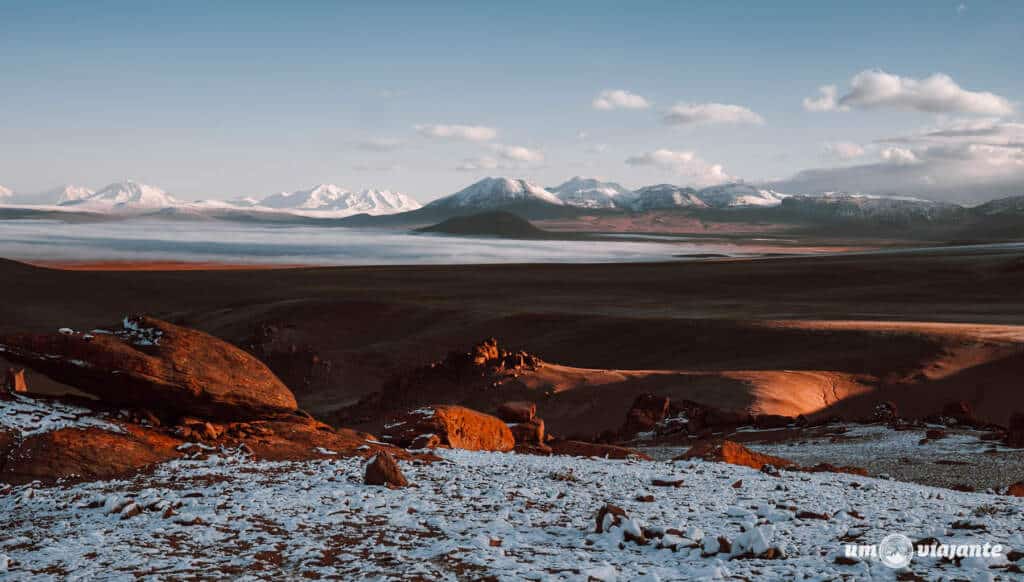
{"x": 14, "y": 383}
{"x": 531, "y": 432}
{"x": 86, "y": 454}
{"x": 737, "y": 484}
{"x": 645, "y": 414}
{"x": 456, "y": 426}
{"x": 812, "y": 515}
{"x": 667, "y": 482}
{"x": 732, "y": 453}
{"x": 384, "y": 470}
{"x": 520, "y": 411}
{"x": 934, "y": 434}
{"x": 1016, "y": 490}
{"x": 582, "y": 449}
{"x": 617, "y": 515}
{"x": 155, "y": 365}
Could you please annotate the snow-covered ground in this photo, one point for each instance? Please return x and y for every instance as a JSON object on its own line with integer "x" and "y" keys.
{"x": 474, "y": 515}
{"x": 30, "y": 416}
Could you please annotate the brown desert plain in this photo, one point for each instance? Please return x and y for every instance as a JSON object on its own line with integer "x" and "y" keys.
{"x": 814, "y": 336}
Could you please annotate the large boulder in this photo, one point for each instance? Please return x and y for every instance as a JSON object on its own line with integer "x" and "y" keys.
{"x": 454, "y": 426}
{"x": 85, "y": 454}
{"x": 155, "y": 365}
{"x": 723, "y": 451}
{"x": 383, "y": 470}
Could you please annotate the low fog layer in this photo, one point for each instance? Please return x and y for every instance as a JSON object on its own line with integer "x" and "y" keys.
{"x": 44, "y": 240}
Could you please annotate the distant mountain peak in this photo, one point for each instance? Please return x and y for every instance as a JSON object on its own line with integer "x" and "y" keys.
{"x": 491, "y": 193}
{"x": 589, "y": 192}
{"x": 124, "y": 195}
{"x": 334, "y": 198}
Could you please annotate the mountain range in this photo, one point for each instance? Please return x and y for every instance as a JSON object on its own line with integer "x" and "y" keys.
{"x": 735, "y": 202}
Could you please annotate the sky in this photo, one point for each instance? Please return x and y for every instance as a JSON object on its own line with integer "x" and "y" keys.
{"x": 223, "y": 99}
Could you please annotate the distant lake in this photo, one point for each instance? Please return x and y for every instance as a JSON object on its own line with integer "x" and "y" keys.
{"x": 232, "y": 242}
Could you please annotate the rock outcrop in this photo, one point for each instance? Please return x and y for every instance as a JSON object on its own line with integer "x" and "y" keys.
{"x": 85, "y": 454}
{"x": 723, "y": 451}
{"x": 453, "y": 426}
{"x": 14, "y": 383}
{"x": 519, "y": 411}
{"x": 647, "y": 411}
{"x": 156, "y": 365}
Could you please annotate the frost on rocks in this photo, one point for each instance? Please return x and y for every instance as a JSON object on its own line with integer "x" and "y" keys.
{"x": 477, "y": 514}
{"x": 30, "y": 416}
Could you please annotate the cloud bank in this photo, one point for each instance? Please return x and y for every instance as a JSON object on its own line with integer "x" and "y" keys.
{"x": 708, "y": 113}
{"x": 938, "y": 93}
{"x": 685, "y": 164}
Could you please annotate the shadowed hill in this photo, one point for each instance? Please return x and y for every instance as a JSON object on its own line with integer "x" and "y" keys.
{"x": 495, "y": 223}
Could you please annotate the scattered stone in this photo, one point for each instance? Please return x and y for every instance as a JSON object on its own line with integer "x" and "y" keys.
{"x": 383, "y": 470}
{"x": 935, "y": 434}
{"x": 667, "y": 482}
{"x": 607, "y": 516}
{"x": 737, "y": 484}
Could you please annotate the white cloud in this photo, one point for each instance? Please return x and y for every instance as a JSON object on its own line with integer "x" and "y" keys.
{"x": 457, "y": 132}
{"x": 518, "y": 153}
{"x": 940, "y": 168}
{"x": 619, "y": 99}
{"x": 380, "y": 144}
{"x": 479, "y": 163}
{"x": 899, "y": 156}
{"x": 826, "y": 100}
{"x": 706, "y": 113}
{"x": 844, "y": 150}
{"x": 685, "y": 164}
{"x": 938, "y": 93}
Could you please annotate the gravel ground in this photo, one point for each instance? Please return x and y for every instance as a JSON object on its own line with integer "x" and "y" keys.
{"x": 959, "y": 459}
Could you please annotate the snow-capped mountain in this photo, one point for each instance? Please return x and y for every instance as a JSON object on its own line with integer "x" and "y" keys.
{"x": 68, "y": 193}
{"x": 125, "y": 196}
{"x": 330, "y": 197}
{"x": 739, "y": 194}
{"x": 5, "y": 194}
{"x": 590, "y": 193}
{"x": 495, "y": 193}
{"x": 834, "y": 206}
{"x": 665, "y": 196}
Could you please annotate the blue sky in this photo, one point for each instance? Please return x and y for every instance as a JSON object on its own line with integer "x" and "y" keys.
{"x": 225, "y": 99}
